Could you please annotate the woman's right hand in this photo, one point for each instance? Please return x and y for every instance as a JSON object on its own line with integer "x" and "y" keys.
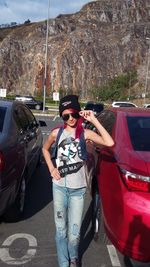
{"x": 55, "y": 174}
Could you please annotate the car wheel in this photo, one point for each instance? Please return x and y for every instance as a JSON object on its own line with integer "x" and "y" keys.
{"x": 99, "y": 234}
{"x": 37, "y": 107}
{"x": 15, "y": 211}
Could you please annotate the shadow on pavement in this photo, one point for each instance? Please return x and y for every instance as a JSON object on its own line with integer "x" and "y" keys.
{"x": 133, "y": 263}
{"x": 86, "y": 232}
{"x": 39, "y": 191}
{"x": 127, "y": 262}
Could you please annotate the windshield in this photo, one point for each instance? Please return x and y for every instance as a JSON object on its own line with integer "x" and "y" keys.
{"x": 139, "y": 130}
{"x": 2, "y": 116}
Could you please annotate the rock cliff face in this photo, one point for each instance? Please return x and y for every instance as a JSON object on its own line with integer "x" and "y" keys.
{"x": 85, "y": 49}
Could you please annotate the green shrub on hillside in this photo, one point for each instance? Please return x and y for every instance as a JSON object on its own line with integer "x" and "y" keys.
{"x": 116, "y": 89}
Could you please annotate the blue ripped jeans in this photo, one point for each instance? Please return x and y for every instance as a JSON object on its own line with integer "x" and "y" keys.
{"x": 68, "y": 209}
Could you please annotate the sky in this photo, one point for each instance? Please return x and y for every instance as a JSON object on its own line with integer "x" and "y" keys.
{"x": 36, "y": 10}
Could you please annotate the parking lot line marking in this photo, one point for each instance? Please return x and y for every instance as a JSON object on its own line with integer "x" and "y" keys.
{"x": 5, "y": 254}
{"x": 113, "y": 256}
{"x": 55, "y": 117}
{"x": 45, "y": 133}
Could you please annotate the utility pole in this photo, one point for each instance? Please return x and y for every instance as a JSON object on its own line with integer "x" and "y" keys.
{"x": 147, "y": 69}
{"x": 46, "y": 49}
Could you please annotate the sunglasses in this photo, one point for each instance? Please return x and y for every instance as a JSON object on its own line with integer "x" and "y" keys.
{"x": 74, "y": 115}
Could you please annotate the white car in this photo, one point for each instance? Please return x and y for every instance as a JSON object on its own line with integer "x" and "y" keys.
{"x": 146, "y": 105}
{"x": 123, "y": 104}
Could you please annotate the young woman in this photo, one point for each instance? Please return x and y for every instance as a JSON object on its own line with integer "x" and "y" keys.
{"x": 68, "y": 174}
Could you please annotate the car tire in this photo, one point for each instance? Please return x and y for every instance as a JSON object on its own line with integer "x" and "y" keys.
{"x": 37, "y": 107}
{"x": 99, "y": 234}
{"x": 15, "y": 211}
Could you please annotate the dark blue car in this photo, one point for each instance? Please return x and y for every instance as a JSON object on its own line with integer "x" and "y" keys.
{"x": 20, "y": 150}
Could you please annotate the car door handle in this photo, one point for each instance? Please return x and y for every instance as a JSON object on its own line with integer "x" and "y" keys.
{"x": 26, "y": 138}
{"x": 32, "y": 134}
{"x": 29, "y": 136}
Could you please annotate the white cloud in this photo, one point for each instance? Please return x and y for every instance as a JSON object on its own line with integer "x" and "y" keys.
{"x": 36, "y": 10}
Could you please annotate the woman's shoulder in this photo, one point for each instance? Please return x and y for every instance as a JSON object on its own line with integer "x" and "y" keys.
{"x": 56, "y": 130}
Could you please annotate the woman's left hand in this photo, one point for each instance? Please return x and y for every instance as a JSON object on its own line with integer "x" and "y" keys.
{"x": 87, "y": 115}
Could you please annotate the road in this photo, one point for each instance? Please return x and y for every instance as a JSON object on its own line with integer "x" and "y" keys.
{"x": 30, "y": 242}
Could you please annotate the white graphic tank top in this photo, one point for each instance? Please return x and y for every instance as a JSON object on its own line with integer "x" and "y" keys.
{"x": 70, "y": 166}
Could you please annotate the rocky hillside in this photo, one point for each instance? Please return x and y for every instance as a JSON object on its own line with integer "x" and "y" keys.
{"x": 104, "y": 39}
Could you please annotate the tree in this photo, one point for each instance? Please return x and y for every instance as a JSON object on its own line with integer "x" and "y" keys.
{"x": 27, "y": 21}
{"x": 115, "y": 89}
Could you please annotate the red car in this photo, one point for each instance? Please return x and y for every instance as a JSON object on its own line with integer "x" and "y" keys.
{"x": 123, "y": 175}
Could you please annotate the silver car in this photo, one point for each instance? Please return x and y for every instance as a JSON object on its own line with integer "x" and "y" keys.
{"x": 126, "y": 104}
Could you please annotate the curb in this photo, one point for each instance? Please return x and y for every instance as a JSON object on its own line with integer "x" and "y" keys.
{"x": 40, "y": 114}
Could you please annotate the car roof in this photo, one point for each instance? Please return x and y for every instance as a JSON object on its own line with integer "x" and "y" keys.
{"x": 145, "y": 105}
{"x": 116, "y": 102}
{"x": 129, "y": 110}
{"x": 6, "y": 103}
{"x": 10, "y": 103}
{"x": 23, "y": 96}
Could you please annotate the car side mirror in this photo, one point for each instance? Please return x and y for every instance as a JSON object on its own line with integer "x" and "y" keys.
{"x": 42, "y": 123}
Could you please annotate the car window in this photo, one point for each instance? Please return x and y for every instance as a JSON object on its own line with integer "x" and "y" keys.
{"x": 31, "y": 119}
{"x": 123, "y": 104}
{"x": 139, "y": 130}
{"x": 2, "y": 117}
{"x": 21, "y": 119}
{"x": 117, "y": 104}
{"x": 107, "y": 118}
{"x": 127, "y": 105}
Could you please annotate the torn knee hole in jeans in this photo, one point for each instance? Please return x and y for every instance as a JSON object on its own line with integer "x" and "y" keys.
{"x": 60, "y": 214}
{"x": 75, "y": 229}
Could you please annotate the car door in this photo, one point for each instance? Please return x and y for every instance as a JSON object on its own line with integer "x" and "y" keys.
{"x": 106, "y": 166}
{"x": 34, "y": 138}
{"x": 22, "y": 145}
{"x": 27, "y": 136}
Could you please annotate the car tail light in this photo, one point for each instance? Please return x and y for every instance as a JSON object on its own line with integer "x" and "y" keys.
{"x": 135, "y": 181}
{"x": 1, "y": 161}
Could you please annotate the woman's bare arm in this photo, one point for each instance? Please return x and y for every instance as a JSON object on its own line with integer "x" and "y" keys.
{"x": 104, "y": 138}
{"x": 46, "y": 153}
